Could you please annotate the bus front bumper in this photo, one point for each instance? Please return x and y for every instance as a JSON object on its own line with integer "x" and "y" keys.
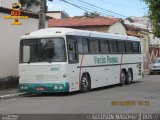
{"x": 44, "y": 87}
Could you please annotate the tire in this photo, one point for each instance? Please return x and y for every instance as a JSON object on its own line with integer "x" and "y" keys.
{"x": 122, "y": 78}
{"x": 129, "y": 78}
{"x": 85, "y": 83}
{"x": 151, "y": 73}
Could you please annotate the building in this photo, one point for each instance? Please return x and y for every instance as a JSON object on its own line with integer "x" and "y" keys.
{"x": 101, "y": 24}
{"x": 57, "y": 14}
{"x": 10, "y": 38}
{"x": 141, "y": 27}
{"x": 7, "y": 3}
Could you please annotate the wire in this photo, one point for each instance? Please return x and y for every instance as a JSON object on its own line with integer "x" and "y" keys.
{"x": 83, "y": 8}
{"x": 73, "y": 5}
{"x": 103, "y": 9}
{"x": 92, "y": 8}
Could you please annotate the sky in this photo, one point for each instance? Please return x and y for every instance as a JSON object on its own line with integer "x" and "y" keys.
{"x": 123, "y": 7}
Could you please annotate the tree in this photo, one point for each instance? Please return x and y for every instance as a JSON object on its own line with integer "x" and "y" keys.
{"x": 154, "y": 15}
{"x": 28, "y": 3}
{"x": 91, "y": 14}
{"x": 66, "y": 14}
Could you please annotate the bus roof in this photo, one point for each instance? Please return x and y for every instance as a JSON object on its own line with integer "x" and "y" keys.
{"x": 59, "y": 32}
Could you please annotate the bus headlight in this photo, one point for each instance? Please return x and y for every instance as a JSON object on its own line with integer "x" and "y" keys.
{"x": 55, "y": 87}
{"x": 22, "y": 87}
{"x": 58, "y": 87}
{"x": 61, "y": 86}
{"x": 25, "y": 87}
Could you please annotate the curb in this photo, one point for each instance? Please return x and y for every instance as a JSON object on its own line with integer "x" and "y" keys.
{"x": 12, "y": 95}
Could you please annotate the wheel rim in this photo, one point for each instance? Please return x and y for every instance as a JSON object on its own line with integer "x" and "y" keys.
{"x": 85, "y": 83}
{"x": 123, "y": 77}
{"x": 129, "y": 76}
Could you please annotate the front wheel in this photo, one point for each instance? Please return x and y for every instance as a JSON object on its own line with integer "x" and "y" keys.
{"x": 151, "y": 73}
{"x": 85, "y": 83}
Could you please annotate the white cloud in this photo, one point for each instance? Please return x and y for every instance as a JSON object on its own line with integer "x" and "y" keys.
{"x": 57, "y": 7}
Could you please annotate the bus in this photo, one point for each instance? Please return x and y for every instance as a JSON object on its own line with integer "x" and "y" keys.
{"x": 67, "y": 60}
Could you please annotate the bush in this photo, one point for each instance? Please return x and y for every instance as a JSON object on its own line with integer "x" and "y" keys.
{"x": 9, "y": 82}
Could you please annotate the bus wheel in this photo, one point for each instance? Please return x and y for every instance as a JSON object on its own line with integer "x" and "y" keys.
{"x": 85, "y": 83}
{"x": 122, "y": 78}
{"x": 129, "y": 77}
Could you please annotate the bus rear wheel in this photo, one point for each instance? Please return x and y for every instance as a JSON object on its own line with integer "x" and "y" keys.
{"x": 122, "y": 78}
{"x": 129, "y": 77}
{"x": 85, "y": 83}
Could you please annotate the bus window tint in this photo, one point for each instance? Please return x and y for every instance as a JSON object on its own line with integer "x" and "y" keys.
{"x": 121, "y": 46}
{"x": 85, "y": 45}
{"x": 82, "y": 44}
{"x": 93, "y": 46}
{"x": 71, "y": 46}
{"x": 104, "y": 47}
{"x": 128, "y": 46}
{"x": 72, "y": 49}
{"x": 136, "y": 47}
{"x": 113, "y": 46}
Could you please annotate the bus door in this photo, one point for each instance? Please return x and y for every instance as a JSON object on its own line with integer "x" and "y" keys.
{"x": 73, "y": 62}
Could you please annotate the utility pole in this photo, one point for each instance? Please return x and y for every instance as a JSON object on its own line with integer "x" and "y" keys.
{"x": 42, "y": 14}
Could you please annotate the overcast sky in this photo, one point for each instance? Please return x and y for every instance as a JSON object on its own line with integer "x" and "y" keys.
{"x": 123, "y": 7}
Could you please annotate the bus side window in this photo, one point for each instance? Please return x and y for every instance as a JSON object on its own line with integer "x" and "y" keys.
{"x": 136, "y": 47}
{"x": 85, "y": 45}
{"x": 121, "y": 46}
{"x": 128, "y": 45}
{"x": 104, "y": 47}
{"x": 82, "y": 44}
{"x": 72, "y": 51}
{"x": 113, "y": 46}
{"x": 93, "y": 45}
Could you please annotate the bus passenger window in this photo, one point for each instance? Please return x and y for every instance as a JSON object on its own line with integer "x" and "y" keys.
{"x": 85, "y": 45}
{"x": 136, "y": 47}
{"x": 128, "y": 46}
{"x": 113, "y": 46}
{"x": 121, "y": 46}
{"x": 93, "y": 46}
{"x": 80, "y": 44}
{"x": 104, "y": 47}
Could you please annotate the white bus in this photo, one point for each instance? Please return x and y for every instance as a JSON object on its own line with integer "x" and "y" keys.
{"x": 66, "y": 60}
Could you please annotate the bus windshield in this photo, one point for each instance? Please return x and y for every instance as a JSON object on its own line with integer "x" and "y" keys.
{"x": 42, "y": 50}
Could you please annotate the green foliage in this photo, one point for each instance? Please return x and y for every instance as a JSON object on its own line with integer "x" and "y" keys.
{"x": 154, "y": 14}
{"x": 67, "y": 15}
{"x": 29, "y": 2}
{"x": 91, "y": 14}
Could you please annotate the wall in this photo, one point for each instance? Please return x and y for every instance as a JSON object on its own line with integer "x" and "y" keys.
{"x": 117, "y": 28}
{"x": 7, "y": 3}
{"x": 9, "y": 43}
{"x": 54, "y": 15}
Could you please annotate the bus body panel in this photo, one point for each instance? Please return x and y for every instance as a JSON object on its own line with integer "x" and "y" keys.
{"x": 104, "y": 69}
{"x": 106, "y": 72}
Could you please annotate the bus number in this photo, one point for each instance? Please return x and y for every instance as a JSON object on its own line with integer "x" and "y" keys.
{"x": 15, "y": 13}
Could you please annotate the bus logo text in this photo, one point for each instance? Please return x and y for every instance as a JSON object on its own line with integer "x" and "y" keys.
{"x": 103, "y": 60}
